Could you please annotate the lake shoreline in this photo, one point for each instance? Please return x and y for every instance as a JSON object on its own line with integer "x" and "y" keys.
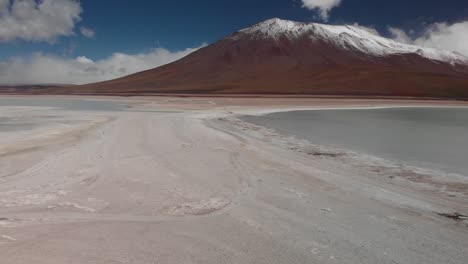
{"x": 326, "y": 126}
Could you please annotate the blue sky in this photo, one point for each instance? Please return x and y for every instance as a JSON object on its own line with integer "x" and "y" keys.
{"x": 139, "y": 27}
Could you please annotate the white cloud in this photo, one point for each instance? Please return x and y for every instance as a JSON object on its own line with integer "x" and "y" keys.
{"x": 400, "y": 35}
{"x": 87, "y": 32}
{"x": 50, "y": 69}
{"x": 34, "y": 20}
{"x": 323, "y": 6}
{"x": 452, "y": 37}
{"x": 84, "y": 60}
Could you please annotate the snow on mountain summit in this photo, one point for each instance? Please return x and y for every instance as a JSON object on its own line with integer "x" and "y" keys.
{"x": 347, "y": 37}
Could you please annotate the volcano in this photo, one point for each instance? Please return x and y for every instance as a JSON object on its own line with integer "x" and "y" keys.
{"x": 282, "y": 57}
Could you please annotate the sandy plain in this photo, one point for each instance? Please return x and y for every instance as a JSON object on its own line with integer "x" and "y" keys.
{"x": 183, "y": 180}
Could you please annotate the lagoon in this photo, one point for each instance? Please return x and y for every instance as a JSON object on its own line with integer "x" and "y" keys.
{"x": 432, "y": 138}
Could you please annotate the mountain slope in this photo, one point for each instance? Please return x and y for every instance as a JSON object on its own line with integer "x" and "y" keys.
{"x": 285, "y": 57}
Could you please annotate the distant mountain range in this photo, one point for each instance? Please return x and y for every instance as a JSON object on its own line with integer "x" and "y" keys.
{"x": 290, "y": 58}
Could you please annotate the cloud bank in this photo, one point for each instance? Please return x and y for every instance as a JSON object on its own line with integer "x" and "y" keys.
{"x": 49, "y": 69}
{"x": 452, "y": 37}
{"x": 33, "y": 20}
{"x": 323, "y": 6}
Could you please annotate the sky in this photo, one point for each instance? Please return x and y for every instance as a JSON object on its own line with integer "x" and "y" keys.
{"x": 71, "y": 41}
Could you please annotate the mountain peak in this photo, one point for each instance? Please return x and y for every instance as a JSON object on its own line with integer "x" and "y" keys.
{"x": 347, "y": 37}
{"x": 277, "y": 22}
{"x": 271, "y": 28}
{"x": 274, "y": 20}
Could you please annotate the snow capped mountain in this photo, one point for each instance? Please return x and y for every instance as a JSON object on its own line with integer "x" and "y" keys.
{"x": 283, "y": 57}
{"x": 352, "y": 38}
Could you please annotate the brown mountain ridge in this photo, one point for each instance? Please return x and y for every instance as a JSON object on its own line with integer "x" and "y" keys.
{"x": 281, "y": 57}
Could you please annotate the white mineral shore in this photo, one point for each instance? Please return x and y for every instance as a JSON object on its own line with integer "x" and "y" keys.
{"x": 181, "y": 180}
